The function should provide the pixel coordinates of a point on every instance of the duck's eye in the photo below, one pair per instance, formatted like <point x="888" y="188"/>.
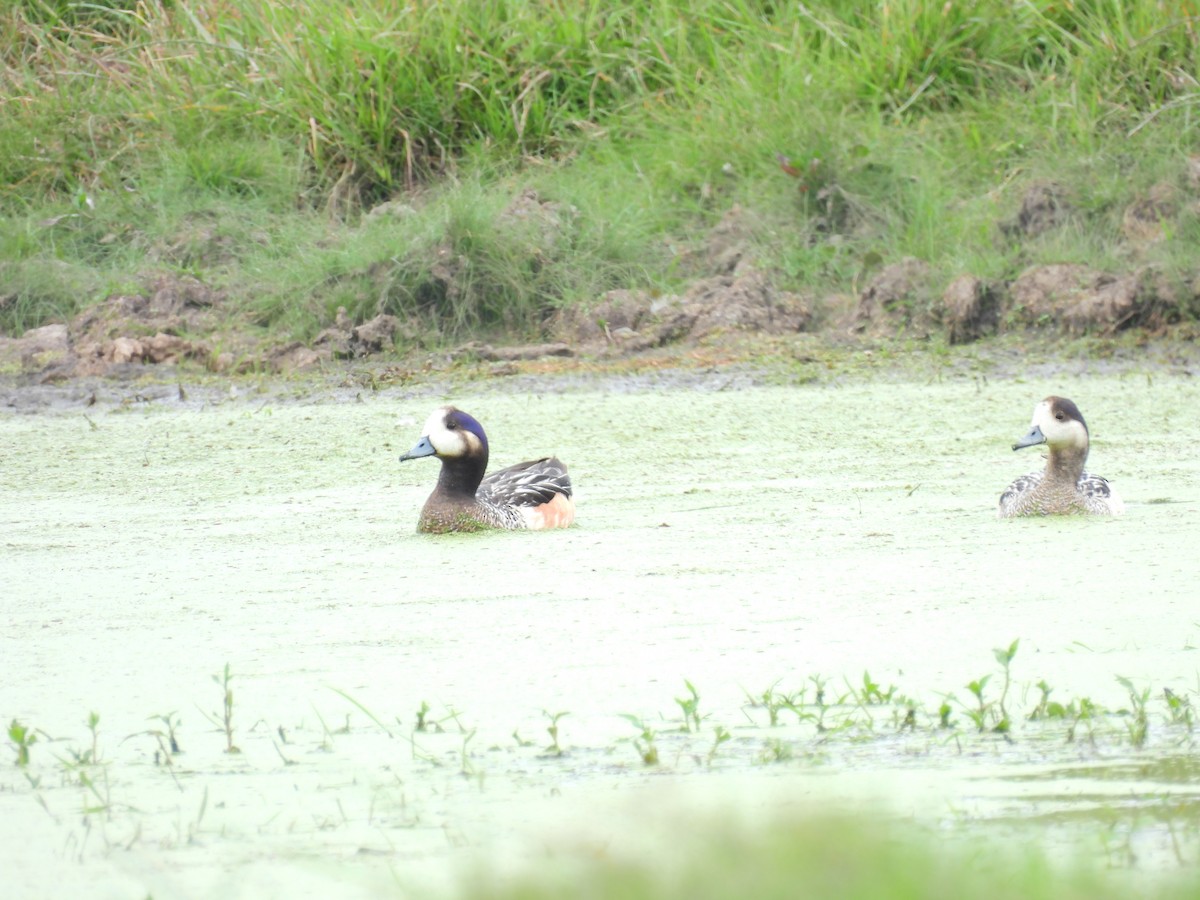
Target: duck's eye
<point x="451" y="425"/>
<point x="1060" y="417"/>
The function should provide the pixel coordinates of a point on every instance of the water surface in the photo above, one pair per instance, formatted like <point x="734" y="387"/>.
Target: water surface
<point x="739" y="539"/>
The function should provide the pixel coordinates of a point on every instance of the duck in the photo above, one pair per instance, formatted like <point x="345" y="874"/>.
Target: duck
<point x="531" y="495"/>
<point x="1063" y="487"/>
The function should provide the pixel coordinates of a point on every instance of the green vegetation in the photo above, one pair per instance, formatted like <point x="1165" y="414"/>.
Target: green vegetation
<point x="555" y="748"/>
<point x="821" y="857"/>
<point x="826" y="853"/>
<point x="247" y="145"/>
<point x="21" y="738"/>
<point x="224" y="719"/>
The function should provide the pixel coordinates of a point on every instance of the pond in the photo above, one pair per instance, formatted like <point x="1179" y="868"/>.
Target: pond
<point x="776" y="598"/>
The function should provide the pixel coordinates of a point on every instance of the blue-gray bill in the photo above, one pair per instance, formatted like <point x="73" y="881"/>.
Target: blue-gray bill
<point x="422" y="448"/>
<point x="1035" y="436"/>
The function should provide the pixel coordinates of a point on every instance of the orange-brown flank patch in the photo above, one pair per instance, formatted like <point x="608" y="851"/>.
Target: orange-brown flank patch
<point x="558" y="513"/>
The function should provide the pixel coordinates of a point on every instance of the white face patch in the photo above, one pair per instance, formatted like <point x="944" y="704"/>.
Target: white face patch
<point x="450" y="441"/>
<point x="1066" y="432"/>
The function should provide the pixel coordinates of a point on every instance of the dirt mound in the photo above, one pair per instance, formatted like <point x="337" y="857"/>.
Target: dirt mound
<point x="1146" y="219"/>
<point x="545" y="223"/>
<point x="128" y="331"/>
<point x="346" y="340"/>
<point x="1074" y="298"/>
<point x="1081" y="299"/>
<point x="1044" y="207"/>
<point x="629" y="321"/>
<point x="971" y="309"/>
<point x="37" y="349"/>
<point x="898" y="298"/>
<point x="1070" y="297"/>
<point x="125" y="329"/>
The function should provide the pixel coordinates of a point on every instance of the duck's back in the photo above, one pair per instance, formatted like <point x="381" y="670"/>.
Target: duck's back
<point x="535" y="494"/>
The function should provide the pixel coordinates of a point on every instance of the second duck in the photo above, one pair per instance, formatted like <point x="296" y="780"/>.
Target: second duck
<point x="1063" y="487"/>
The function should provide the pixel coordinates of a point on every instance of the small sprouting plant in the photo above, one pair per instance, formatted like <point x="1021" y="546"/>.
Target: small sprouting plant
<point x="224" y="679"/>
<point x="168" y="743"/>
<point x="554" y="748"/>
<point x="871" y="693"/>
<point x="93" y="725"/>
<point x="644" y="742"/>
<point x="1005" y="658"/>
<point x="945" y="710"/>
<point x="776" y="751"/>
<point x="170" y="722"/>
<point x="690" y="707"/>
<point x="421" y="714"/>
<point x="978" y="714"/>
<point x="1083" y="711"/>
<point x="1178" y="708"/>
<point x="22" y="739"/>
<point x="772" y="701"/>
<point x="1139" y="726"/>
<point x="1043" y="708"/>
<point x="819" y="700"/>
<point x="720" y="736"/>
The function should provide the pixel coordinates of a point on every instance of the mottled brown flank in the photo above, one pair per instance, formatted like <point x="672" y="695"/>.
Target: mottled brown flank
<point x="445" y="511"/>
<point x="443" y="518"/>
<point x="1037" y="495"/>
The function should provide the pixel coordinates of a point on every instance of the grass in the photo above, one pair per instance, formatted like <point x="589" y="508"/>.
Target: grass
<point x="230" y="140"/>
<point x="817" y="856"/>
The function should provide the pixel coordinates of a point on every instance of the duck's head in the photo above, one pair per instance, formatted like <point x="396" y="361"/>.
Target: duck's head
<point x="1057" y="423"/>
<point x="450" y="434"/>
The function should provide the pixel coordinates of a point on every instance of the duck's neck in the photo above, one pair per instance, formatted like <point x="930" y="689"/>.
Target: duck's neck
<point x="460" y="477"/>
<point x="1065" y="464"/>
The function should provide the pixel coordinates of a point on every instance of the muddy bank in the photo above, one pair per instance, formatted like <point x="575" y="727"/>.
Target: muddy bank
<point x="730" y="363"/>
<point x="724" y="362"/>
<point x="727" y="296"/>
